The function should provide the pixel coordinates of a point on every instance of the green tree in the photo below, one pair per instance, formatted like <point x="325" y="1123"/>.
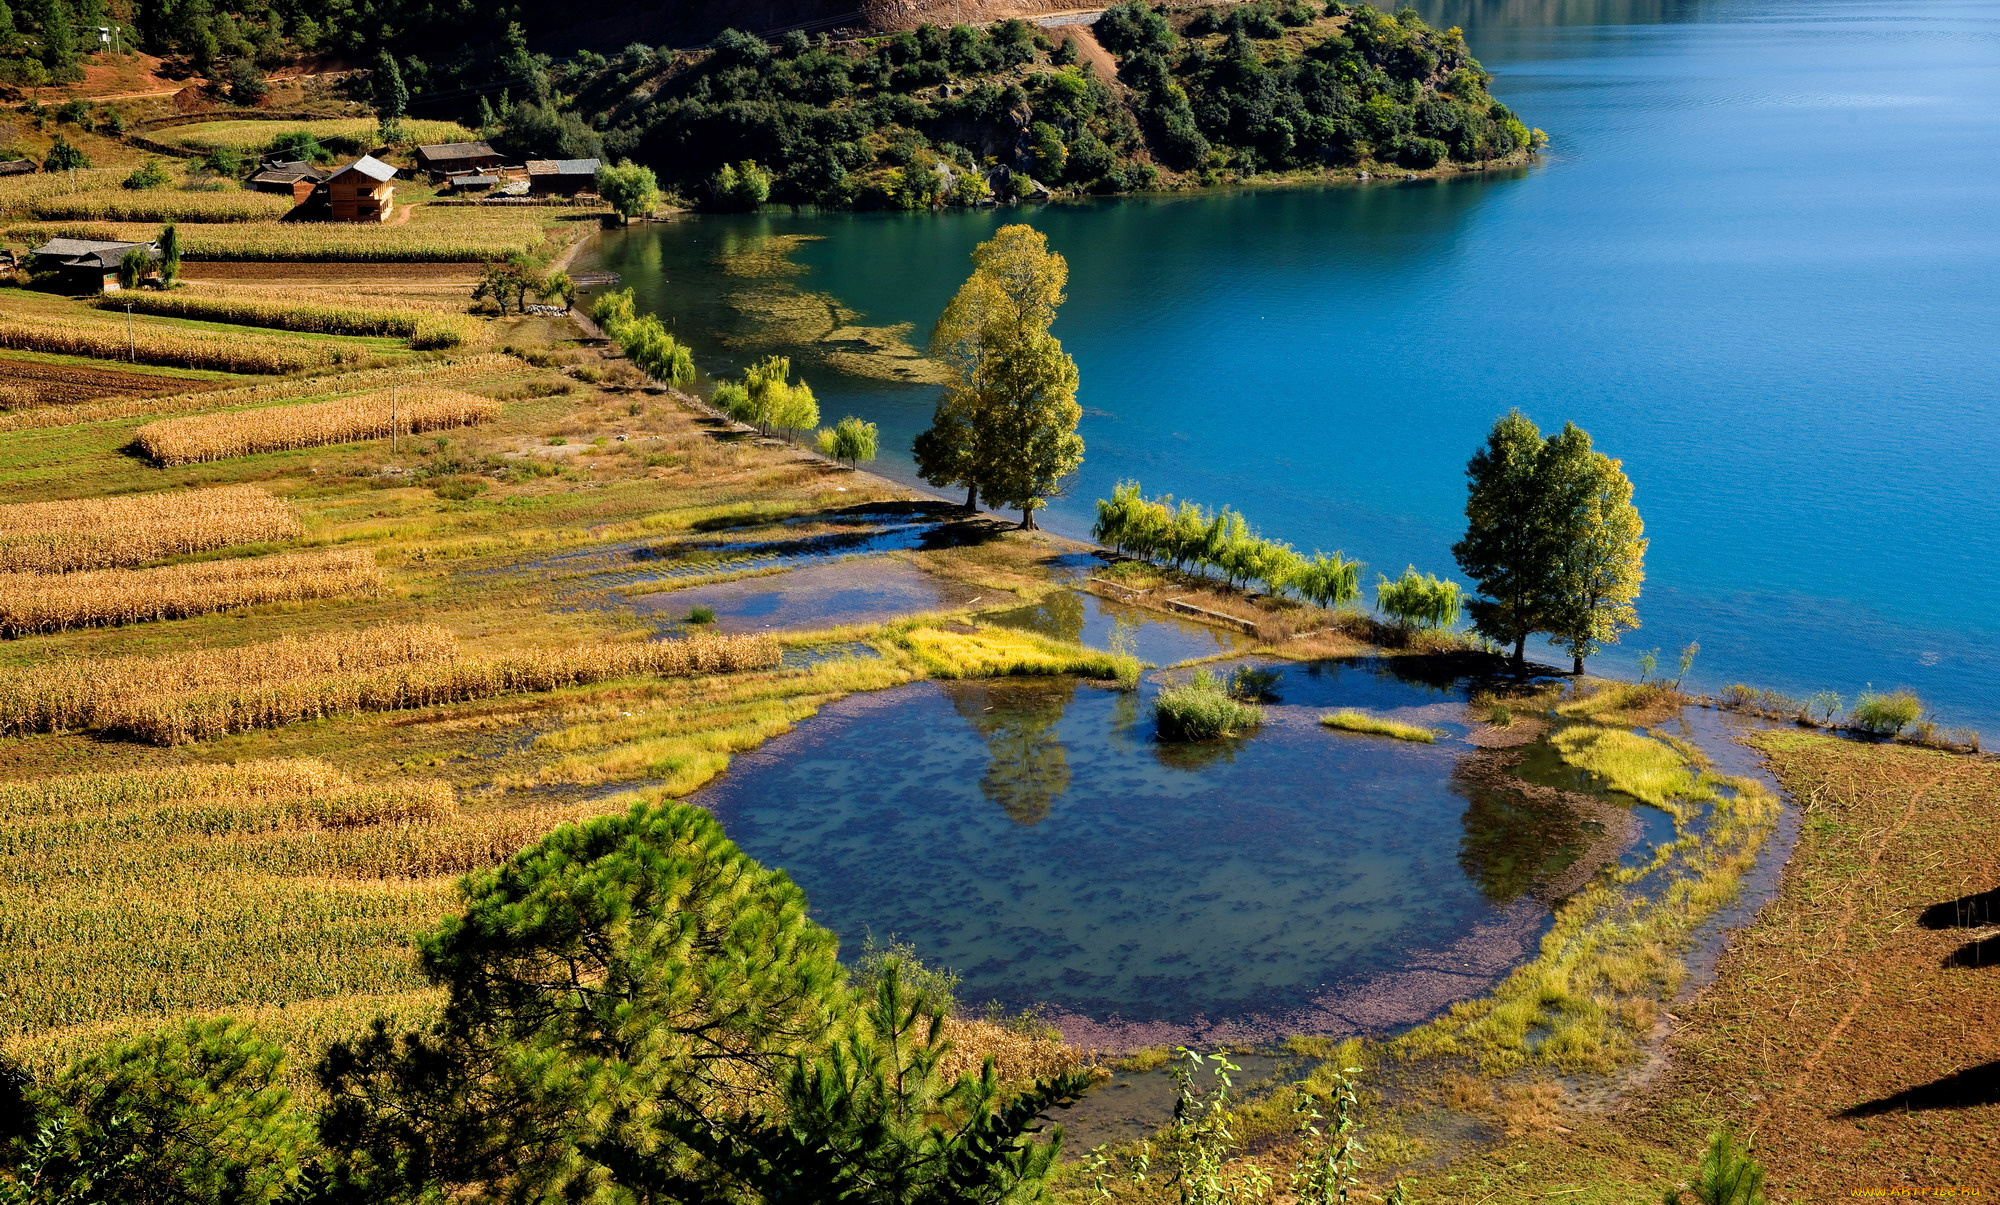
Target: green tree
<point x="299" y="146"/>
<point x="851" y="440"/>
<point x="193" y="1115"/>
<point x="558" y="286"/>
<point x="1006" y="425"/>
<point x="391" y="96"/>
<point x="247" y="85"/>
<point x="133" y="266"/>
<point x="633" y="191"/>
<point x="64" y="157"/>
<point x="740" y="186"/>
<point x="1728" y="1176"/>
<point x="769" y="398"/>
<point x="1507" y="551"/>
<point x="1600" y="544"/>
<point x="147" y="175"/>
<point x="1420" y="600"/>
<point x="170" y="255"/>
<point x="615" y="995"/>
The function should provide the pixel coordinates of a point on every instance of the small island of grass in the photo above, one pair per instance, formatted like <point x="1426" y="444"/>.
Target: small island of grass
<point x="1357" y="721"/>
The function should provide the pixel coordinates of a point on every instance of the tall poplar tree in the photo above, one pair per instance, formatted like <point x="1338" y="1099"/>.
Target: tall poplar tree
<point x="1600" y="545"/>
<point x="1507" y="551"/>
<point x="392" y="96"/>
<point x="1006" y="425"/>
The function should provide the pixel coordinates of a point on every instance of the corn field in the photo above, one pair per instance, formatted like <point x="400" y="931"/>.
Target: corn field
<point x="206" y="714"/>
<point x="198" y="438"/>
<point x="100" y="336"/>
<point x="431" y="235"/>
<point x="144" y="894"/>
<point x="338" y="134"/>
<point x="102" y="533"/>
<point x="425" y="328"/>
<point x="159" y="205"/>
<point x="429" y="373"/>
<point x="32" y="603"/>
<point x="71" y="694"/>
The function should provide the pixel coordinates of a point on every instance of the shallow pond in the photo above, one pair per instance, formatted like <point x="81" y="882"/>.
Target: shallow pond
<point x="821" y="596"/>
<point x="1033" y="836"/>
<point x="1152" y="636"/>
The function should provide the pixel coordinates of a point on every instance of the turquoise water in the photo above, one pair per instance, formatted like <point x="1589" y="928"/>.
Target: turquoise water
<point x="1758" y="263"/>
<point x="1034" y="836"/>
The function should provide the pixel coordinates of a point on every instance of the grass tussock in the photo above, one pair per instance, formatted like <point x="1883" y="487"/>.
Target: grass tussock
<point x="1626" y="703"/>
<point x="306" y="311"/>
<point x="32" y="603"/>
<point x="1202" y="709"/>
<point x="209" y="713"/>
<point x="1357" y="721"/>
<point x="103" y="533"/>
<point x="72" y="694"/>
<point x="204" y="437"/>
<point x="1648" y="770"/>
<point x="993" y="652"/>
<point x="1021" y="1053"/>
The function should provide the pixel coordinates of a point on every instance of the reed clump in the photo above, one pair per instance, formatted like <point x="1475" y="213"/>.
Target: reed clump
<point x="208" y="713"/>
<point x="990" y="652"/>
<point x="32" y="603"/>
<point x="1202" y="709"/>
<point x="102" y="533"/>
<point x="428" y="328"/>
<point x="198" y="438"/>
<point x="72" y="694"/>
<point x="1361" y="721"/>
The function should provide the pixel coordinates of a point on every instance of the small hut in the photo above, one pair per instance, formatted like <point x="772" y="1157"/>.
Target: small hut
<point x="85" y="265"/>
<point x="561" y="177"/>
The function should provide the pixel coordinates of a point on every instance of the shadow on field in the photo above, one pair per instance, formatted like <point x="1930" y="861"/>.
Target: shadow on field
<point x="1965" y="912"/>
<point x="1967" y="1089"/>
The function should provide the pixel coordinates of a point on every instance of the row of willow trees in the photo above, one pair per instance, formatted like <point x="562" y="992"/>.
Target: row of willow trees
<point x="1188" y="536"/>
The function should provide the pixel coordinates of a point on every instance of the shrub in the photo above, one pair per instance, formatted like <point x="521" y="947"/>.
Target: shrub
<point x="1201" y="710"/>
<point x="147" y="175"/>
<point x="1887" y="714"/>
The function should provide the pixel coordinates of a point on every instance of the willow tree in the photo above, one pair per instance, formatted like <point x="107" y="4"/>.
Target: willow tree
<point x="1601" y="545"/>
<point x="1005" y="428"/>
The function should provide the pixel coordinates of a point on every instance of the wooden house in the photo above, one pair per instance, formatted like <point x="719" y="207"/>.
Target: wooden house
<point x="361" y="192"/>
<point x="85" y="265"/>
<point x="18" y="167"/>
<point x="457" y="158"/>
<point x="281" y="175"/>
<point x="561" y="177"/>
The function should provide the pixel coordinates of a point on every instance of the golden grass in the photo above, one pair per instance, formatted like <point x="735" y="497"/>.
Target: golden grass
<point x="41" y="602"/>
<point x="1356" y="721"/>
<point x="75" y="693"/>
<point x="198" y="438"/>
<point x="428" y="373"/>
<point x="1020" y="1053"/>
<point x="1646" y="769"/>
<point x="208" y="713"/>
<point x="991" y="652"/>
<point x="432" y="234"/>
<point x="426" y="326"/>
<point x="84" y="332"/>
<point x="102" y="533"/>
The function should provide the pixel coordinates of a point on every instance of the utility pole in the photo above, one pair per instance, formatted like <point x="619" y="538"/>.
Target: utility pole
<point x="131" y="347"/>
<point x="394" y="426"/>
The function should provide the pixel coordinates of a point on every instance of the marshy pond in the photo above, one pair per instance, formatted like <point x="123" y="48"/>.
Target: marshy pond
<point x="1035" y="837"/>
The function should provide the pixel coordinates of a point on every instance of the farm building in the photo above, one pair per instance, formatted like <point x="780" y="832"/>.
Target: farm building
<point x="561" y="177"/>
<point x="457" y="158"/>
<point x="474" y="182"/>
<point x="85" y="265"/>
<point x="361" y="192"/>
<point x="18" y="167"/>
<point x="280" y="175"/>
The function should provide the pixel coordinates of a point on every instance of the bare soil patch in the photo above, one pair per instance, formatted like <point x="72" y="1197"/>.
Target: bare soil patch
<point x="25" y="383"/>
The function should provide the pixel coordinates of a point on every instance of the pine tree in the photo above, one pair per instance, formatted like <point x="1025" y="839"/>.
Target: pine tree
<point x="1006" y="425"/>
<point x="1600" y="544"/>
<point x="1507" y="551"/>
<point x="610" y="991"/>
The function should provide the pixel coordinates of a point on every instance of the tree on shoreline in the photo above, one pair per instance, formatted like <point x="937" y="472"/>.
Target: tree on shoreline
<point x="1552" y="540"/>
<point x="1006" y="425"/>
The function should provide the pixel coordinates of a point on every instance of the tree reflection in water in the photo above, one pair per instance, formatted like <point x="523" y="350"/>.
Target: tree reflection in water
<point x="1513" y="844"/>
<point x="1026" y="766"/>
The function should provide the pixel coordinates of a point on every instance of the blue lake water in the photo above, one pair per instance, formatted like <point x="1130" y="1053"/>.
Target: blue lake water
<point x="1034" y="836"/>
<point x="1758" y="263"/>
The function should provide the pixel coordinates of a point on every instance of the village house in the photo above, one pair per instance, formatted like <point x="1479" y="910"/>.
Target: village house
<point x="457" y="158"/>
<point x="283" y="175"/>
<point x="562" y="177"/>
<point x="18" y="167"/>
<point x="361" y="192"/>
<point x="85" y="265"/>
